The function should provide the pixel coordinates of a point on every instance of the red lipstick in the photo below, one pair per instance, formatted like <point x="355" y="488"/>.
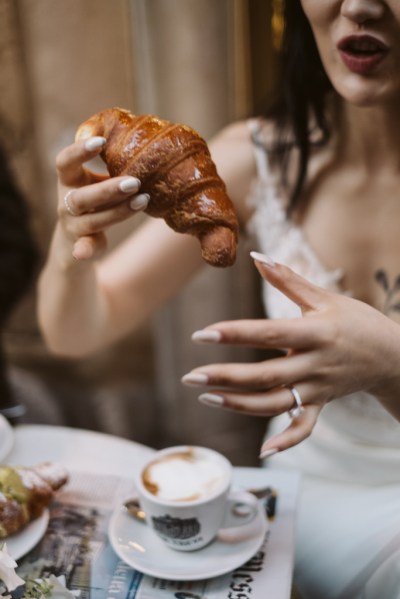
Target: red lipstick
<point x="361" y="54"/>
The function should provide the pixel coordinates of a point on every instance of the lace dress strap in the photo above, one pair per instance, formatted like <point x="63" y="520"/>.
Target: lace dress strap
<point x="276" y="235"/>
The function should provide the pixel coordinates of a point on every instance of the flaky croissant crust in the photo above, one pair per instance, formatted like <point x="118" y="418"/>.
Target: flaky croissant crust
<point x="25" y="492"/>
<point x="175" y="168"/>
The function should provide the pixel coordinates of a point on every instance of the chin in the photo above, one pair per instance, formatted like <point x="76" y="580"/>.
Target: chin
<point x="366" y="94"/>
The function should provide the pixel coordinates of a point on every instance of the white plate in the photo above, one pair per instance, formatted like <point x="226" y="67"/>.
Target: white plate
<point x="6" y="437"/>
<point x="23" y="541"/>
<point x="138" y="546"/>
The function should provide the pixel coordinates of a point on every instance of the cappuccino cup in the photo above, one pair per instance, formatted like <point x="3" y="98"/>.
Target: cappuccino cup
<point x="185" y="492"/>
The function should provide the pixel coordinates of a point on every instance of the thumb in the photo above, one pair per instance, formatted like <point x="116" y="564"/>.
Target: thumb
<point x="298" y="289"/>
<point x="89" y="246"/>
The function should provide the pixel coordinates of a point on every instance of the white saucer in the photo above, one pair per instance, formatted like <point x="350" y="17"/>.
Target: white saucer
<point x="6" y="437"/>
<point x="23" y="541"/>
<point x="138" y="546"/>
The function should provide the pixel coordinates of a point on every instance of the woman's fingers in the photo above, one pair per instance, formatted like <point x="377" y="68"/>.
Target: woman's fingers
<point x="298" y="430"/>
<point x="303" y="293"/>
<point x="295" y="333"/>
<point x="99" y="196"/>
<point x="89" y="202"/>
<point x="273" y="403"/>
<point x="70" y="161"/>
<point x="266" y="404"/>
<point x="97" y="222"/>
<point x="90" y="246"/>
<point x="263" y="403"/>
<point x="89" y="229"/>
<point x="87" y="210"/>
<point x="256" y="376"/>
<point x="263" y="389"/>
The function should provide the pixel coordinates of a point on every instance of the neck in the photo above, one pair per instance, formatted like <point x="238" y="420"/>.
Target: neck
<point x="369" y="138"/>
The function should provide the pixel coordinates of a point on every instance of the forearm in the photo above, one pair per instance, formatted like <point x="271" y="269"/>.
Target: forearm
<point x="387" y="391"/>
<point x="386" y="349"/>
<point x="71" y="307"/>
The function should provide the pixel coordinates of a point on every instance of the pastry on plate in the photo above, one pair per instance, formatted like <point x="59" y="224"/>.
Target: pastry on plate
<point x="25" y="492"/>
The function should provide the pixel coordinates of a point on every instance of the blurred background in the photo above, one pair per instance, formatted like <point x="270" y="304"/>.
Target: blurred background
<point x="199" y="62"/>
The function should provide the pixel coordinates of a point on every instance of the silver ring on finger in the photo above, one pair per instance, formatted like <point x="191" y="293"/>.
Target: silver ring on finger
<point x="68" y="204"/>
<point x="298" y="407"/>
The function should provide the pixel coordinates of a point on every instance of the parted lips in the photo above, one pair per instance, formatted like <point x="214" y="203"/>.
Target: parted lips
<point x="175" y="168"/>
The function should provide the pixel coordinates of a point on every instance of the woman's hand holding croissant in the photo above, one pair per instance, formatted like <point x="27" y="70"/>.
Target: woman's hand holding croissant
<point x="175" y="166"/>
<point x="89" y="203"/>
<point x="338" y="346"/>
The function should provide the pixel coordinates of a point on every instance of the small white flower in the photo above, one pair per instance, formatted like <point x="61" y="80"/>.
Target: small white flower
<point x="51" y="588"/>
<point x="59" y="590"/>
<point x="7" y="570"/>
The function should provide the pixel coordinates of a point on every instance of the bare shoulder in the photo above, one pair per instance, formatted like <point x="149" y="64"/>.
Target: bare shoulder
<point x="233" y="153"/>
<point x="236" y="131"/>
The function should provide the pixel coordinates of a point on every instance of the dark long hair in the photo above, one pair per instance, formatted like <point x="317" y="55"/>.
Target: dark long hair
<point x="18" y="252"/>
<point x="301" y="96"/>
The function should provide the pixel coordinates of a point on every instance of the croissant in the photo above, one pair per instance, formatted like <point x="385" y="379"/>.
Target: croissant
<point x="26" y="492"/>
<point x="175" y="168"/>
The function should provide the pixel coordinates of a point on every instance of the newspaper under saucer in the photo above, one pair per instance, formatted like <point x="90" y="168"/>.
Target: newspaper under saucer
<point x="137" y="545"/>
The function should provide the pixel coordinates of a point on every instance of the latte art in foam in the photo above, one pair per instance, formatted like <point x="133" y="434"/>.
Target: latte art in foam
<point x="184" y="476"/>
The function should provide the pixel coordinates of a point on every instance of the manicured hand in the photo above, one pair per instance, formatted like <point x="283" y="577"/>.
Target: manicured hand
<point x="337" y="346"/>
<point x="89" y="203"/>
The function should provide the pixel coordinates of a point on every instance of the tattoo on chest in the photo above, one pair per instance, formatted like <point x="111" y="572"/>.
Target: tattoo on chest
<point x="391" y="290"/>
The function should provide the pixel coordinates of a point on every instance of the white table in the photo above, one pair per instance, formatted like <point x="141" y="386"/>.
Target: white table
<point x="78" y="450"/>
<point x="111" y="457"/>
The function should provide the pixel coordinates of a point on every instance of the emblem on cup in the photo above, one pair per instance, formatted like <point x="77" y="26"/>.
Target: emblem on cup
<point x="176" y="528"/>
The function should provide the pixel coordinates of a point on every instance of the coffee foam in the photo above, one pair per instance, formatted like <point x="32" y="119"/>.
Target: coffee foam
<point x="183" y="476"/>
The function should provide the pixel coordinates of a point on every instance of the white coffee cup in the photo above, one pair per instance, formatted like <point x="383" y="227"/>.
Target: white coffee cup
<point x="185" y="492"/>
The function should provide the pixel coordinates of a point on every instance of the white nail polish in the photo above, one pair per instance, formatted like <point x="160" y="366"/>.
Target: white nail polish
<point x="212" y="399"/>
<point x="195" y="378"/>
<point x="94" y="143"/>
<point x="140" y="202"/>
<point x="267" y="453"/>
<point x="129" y="185"/>
<point x="262" y="258"/>
<point x="206" y="336"/>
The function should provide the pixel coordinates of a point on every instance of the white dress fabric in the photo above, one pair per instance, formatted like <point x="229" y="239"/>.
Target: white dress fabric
<point x="348" y="541"/>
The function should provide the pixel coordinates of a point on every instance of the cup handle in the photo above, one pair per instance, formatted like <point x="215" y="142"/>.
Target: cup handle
<point x="240" y="522"/>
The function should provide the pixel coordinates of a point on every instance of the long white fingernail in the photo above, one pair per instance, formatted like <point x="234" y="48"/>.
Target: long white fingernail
<point x="94" y="143"/>
<point x="129" y="185"/>
<point x="206" y="336"/>
<point x="262" y="258"/>
<point x="267" y="453"/>
<point x="195" y="378"/>
<point x="140" y="202"/>
<point x="212" y="399"/>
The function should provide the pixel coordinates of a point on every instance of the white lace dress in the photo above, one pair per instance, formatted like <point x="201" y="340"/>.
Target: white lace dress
<point x="348" y="541"/>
